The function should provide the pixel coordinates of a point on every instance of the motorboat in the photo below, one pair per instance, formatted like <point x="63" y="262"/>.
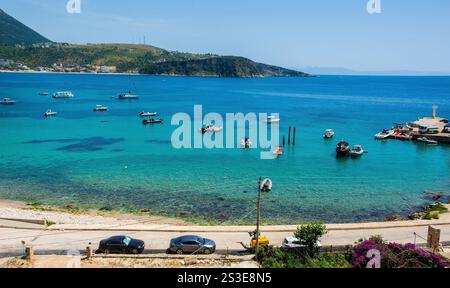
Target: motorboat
<point x="343" y="149"/>
<point x="43" y="93"/>
<point x="329" y="133"/>
<point x="210" y="129"/>
<point x="278" y="151"/>
<point x="148" y="114"/>
<point x="127" y="96"/>
<point x="7" y="101"/>
<point x="427" y="141"/>
<point x="272" y="119"/>
<point x="100" y="108"/>
<point x="266" y="185"/>
<point x="152" y="121"/>
<point x="246" y="143"/>
<point x="50" y="113"/>
<point x="63" y="94"/>
<point x="385" y="134"/>
<point x="357" y="151"/>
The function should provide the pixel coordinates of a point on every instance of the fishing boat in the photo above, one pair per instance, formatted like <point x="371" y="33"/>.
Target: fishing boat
<point x="7" y="101"/>
<point x="152" y="121"/>
<point x="427" y="141"/>
<point x="246" y="143"/>
<point x="357" y="151"/>
<point x="385" y="134"/>
<point x="127" y="96"/>
<point x="272" y="119"/>
<point x="63" y="94"/>
<point x="329" y="133"/>
<point x="343" y="149"/>
<point x="50" y="113"/>
<point x="43" y="93"/>
<point x="278" y="151"/>
<point x="100" y="108"/>
<point x="148" y="114"/>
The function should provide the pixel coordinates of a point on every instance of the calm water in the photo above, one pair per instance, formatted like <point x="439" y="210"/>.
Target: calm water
<point x="112" y="160"/>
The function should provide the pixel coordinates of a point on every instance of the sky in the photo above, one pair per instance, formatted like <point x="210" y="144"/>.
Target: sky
<point x="406" y="35"/>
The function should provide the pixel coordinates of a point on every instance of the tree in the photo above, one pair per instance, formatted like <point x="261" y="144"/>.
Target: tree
<point x="309" y="235"/>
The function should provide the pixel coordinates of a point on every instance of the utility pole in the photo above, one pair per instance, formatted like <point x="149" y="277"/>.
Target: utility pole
<point x="258" y="217"/>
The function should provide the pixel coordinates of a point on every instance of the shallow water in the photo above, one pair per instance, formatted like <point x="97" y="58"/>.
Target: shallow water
<point x="111" y="160"/>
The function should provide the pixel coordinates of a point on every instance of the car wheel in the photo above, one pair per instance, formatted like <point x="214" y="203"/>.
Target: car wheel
<point x="107" y="251"/>
<point x="135" y="251"/>
<point x="207" y="251"/>
<point x="180" y="251"/>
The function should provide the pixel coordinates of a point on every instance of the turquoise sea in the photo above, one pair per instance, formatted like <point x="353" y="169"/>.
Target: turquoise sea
<point x="111" y="160"/>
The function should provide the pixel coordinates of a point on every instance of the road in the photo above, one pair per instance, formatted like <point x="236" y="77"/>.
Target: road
<point x="58" y="242"/>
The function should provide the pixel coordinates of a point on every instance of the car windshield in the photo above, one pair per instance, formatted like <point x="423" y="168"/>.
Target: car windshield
<point x="127" y="240"/>
<point x="201" y="240"/>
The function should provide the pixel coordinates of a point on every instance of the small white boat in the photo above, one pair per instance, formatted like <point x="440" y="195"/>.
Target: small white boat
<point x="210" y="129"/>
<point x="272" y="119"/>
<point x="7" y="101"/>
<point x="50" y="113"/>
<point x="100" y="108"/>
<point x="278" y="152"/>
<point x="246" y="143"/>
<point x="266" y="185"/>
<point x="357" y="151"/>
<point x="148" y="114"/>
<point x="427" y="141"/>
<point x="329" y="133"/>
<point x="128" y="96"/>
<point x="63" y="94"/>
<point x="385" y="134"/>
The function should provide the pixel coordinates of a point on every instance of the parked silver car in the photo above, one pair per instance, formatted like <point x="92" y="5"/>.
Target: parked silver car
<point x="191" y="244"/>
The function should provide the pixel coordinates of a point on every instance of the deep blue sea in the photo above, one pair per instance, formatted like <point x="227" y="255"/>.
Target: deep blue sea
<point x="111" y="160"/>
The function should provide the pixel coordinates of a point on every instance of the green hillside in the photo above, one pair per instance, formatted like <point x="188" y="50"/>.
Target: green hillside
<point x="13" y="32"/>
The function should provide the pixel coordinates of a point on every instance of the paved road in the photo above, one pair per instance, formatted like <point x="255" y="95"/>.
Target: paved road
<point x="156" y="242"/>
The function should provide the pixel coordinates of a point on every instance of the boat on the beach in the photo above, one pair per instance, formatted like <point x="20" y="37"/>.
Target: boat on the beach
<point x="343" y="149"/>
<point x="43" y="93"/>
<point x="357" y="151"/>
<point x="100" y="108"/>
<point x="385" y="134"/>
<point x="148" y="114"/>
<point x="7" y="101"/>
<point x="63" y="94"/>
<point x="329" y="133"/>
<point x="272" y="119"/>
<point x="50" y="113"/>
<point x="152" y="121"/>
<point x="427" y="141"/>
<point x="246" y="143"/>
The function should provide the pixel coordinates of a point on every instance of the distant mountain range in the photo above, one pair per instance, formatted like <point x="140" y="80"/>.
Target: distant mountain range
<point x="21" y="44"/>
<point x="346" y="71"/>
<point x="13" y="32"/>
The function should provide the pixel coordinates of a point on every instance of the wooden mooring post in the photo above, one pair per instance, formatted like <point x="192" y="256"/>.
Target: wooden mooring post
<point x="284" y="141"/>
<point x="293" y="139"/>
<point x="289" y="136"/>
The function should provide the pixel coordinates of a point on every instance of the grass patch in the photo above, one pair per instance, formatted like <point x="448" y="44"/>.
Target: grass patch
<point x="433" y="212"/>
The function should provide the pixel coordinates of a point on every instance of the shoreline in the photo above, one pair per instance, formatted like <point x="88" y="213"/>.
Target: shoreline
<point x="94" y="220"/>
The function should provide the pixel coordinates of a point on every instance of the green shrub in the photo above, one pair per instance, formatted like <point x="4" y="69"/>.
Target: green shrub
<point x="309" y="235"/>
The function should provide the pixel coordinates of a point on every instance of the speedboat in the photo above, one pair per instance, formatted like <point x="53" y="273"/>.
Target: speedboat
<point x="7" y="101"/>
<point x="152" y="121"/>
<point x="343" y="149"/>
<point x="272" y="119"/>
<point x="385" y="134"/>
<point x="278" y="152"/>
<point x="246" y="143"/>
<point x="63" y="94"/>
<point x="427" y="141"/>
<point x="357" y="151"/>
<point x="329" y="133"/>
<point x="127" y="96"/>
<point x="210" y="129"/>
<point x="100" y="108"/>
<point x="50" y="113"/>
<point x="148" y="114"/>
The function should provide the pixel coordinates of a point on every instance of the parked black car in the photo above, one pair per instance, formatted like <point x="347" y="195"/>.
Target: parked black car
<point x="121" y="245"/>
<point x="191" y="244"/>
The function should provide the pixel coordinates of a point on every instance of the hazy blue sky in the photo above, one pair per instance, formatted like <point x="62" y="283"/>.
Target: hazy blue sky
<point x="407" y="35"/>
